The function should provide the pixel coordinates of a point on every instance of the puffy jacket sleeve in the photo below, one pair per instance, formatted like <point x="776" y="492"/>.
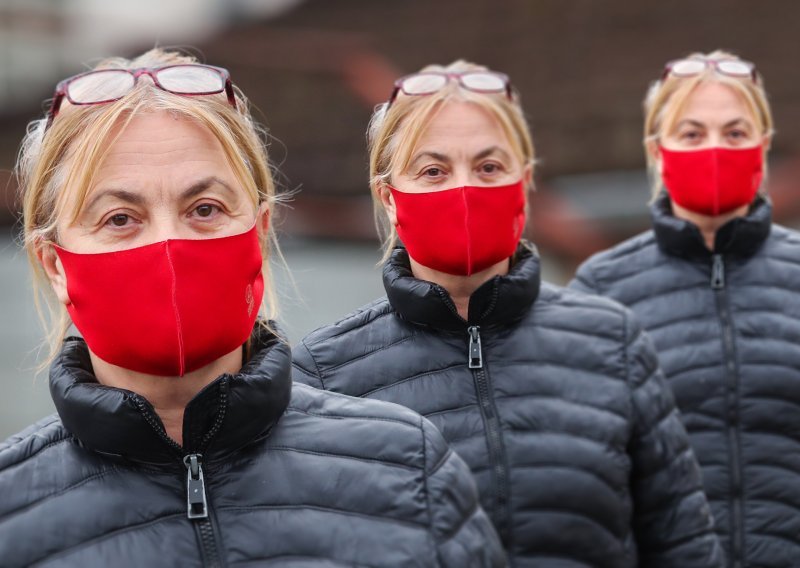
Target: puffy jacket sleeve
<point x="584" y="280"/>
<point x="672" y="520"/>
<point x="304" y="368"/>
<point x="460" y="530"/>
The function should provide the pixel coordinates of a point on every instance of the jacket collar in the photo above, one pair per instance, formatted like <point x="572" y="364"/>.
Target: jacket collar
<point x="740" y="237"/>
<point x="501" y="300"/>
<point x="227" y="414"/>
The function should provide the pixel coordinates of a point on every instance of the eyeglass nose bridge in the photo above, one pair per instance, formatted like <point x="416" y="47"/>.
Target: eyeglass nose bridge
<point x="144" y="71"/>
<point x="450" y="76"/>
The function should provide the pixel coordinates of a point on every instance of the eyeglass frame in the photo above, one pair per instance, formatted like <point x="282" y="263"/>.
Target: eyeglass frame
<point x="62" y="88"/>
<point x="710" y="63"/>
<point x="398" y="84"/>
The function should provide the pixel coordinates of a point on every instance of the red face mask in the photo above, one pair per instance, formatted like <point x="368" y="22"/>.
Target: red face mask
<point x="712" y="181"/>
<point x="167" y="308"/>
<point x="462" y="230"/>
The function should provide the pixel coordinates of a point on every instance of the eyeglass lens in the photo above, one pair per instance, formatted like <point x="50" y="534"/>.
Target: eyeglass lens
<point x="187" y="80"/>
<point x="687" y="67"/>
<point x="424" y="83"/>
<point x="483" y="82"/>
<point x="100" y="86"/>
<point x="113" y="84"/>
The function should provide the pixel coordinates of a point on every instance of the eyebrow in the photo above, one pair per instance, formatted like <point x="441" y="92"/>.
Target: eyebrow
<point x="728" y="124"/>
<point x="489" y="151"/>
<point x="121" y="194"/>
<point x="206" y="183"/>
<point x="136" y="199"/>
<point x="435" y="155"/>
<point x="443" y="158"/>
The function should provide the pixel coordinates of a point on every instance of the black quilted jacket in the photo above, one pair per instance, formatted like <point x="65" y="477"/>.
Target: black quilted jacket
<point x="288" y="477"/>
<point x="552" y="397"/>
<point x="727" y="328"/>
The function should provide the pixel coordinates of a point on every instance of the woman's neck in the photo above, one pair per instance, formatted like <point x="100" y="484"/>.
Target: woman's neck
<point x="168" y="395"/>
<point x="708" y="225"/>
<point x="460" y="288"/>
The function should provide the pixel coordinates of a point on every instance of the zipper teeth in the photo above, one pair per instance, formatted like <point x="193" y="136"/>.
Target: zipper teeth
<point x="737" y="541"/>
<point x="500" y="469"/>
<point x="148" y="416"/>
<point x="223" y="407"/>
<point x="448" y="301"/>
<point x="207" y="540"/>
<point x="496" y="454"/>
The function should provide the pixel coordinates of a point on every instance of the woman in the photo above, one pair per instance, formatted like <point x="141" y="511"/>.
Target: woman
<point x="554" y="399"/>
<point x="716" y="284"/>
<point x="179" y="440"/>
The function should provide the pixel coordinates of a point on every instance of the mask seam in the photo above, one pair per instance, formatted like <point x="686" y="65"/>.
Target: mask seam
<point x="717" y="188"/>
<point x="174" y="295"/>
<point x="467" y="231"/>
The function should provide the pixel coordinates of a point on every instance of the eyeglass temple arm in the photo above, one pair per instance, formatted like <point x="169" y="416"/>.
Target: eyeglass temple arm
<point x="230" y="93"/>
<point x="55" y="106"/>
<point x="395" y="92"/>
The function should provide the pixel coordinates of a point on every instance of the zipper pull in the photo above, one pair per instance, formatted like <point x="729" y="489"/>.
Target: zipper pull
<point x="717" y="272"/>
<point x="475" y="355"/>
<point x="196" y="506"/>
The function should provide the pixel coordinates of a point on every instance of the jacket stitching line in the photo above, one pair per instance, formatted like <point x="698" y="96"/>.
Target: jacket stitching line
<point x="426" y="487"/>
<point x="58" y="493"/>
<point x="334" y="510"/>
<point x="66" y="437"/>
<point x="344" y="456"/>
<point x="467" y="518"/>
<point x="412" y="378"/>
<point x="365" y="355"/>
<point x="355" y="417"/>
<point x="108" y="535"/>
<point x="352" y="316"/>
<point x="316" y="365"/>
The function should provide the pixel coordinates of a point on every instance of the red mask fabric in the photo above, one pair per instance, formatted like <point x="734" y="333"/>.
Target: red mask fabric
<point x="170" y="307"/>
<point x="462" y="230"/>
<point x="712" y="181"/>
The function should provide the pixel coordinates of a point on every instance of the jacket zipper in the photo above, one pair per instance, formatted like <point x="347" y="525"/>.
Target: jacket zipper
<point x="732" y="406"/>
<point x="501" y="514"/>
<point x="197" y="506"/>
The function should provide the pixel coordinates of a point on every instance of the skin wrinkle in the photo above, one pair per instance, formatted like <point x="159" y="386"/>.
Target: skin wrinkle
<point x="464" y="146"/>
<point x="714" y="115"/>
<point x="166" y="168"/>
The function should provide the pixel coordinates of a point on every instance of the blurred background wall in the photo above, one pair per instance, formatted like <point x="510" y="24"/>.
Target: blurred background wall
<point x="316" y="68"/>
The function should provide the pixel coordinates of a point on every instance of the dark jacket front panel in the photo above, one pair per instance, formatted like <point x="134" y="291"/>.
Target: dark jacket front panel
<point x="587" y="429"/>
<point x="739" y="397"/>
<point x="331" y="481"/>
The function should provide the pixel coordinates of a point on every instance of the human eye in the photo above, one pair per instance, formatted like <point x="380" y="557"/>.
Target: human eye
<point x="206" y="211"/>
<point x="690" y="136"/>
<point x="490" y="168"/>
<point x="119" y="220"/>
<point x="432" y="172"/>
<point x="738" y="135"/>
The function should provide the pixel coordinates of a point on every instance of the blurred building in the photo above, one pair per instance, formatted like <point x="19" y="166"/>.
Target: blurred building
<point x="316" y="68"/>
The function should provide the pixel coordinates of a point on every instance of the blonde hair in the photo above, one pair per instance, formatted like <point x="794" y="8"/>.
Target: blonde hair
<point x="394" y="132"/>
<point x="666" y="99"/>
<point x="74" y="146"/>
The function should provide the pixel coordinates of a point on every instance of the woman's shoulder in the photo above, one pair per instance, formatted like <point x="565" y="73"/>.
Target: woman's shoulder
<point x="366" y="316"/>
<point x="566" y="304"/>
<point x="331" y="423"/>
<point x="783" y="241"/>
<point x="367" y="330"/>
<point x="28" y="443"/>
<point x="40" y="463"/>
<point x="632" y="255"/>
<point x="326" y="405"/>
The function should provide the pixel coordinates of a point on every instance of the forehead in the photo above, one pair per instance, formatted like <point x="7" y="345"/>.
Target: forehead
<point x="159" y="140"/>
<point x="714" y="100"/>
<point x="462" y="125"/>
